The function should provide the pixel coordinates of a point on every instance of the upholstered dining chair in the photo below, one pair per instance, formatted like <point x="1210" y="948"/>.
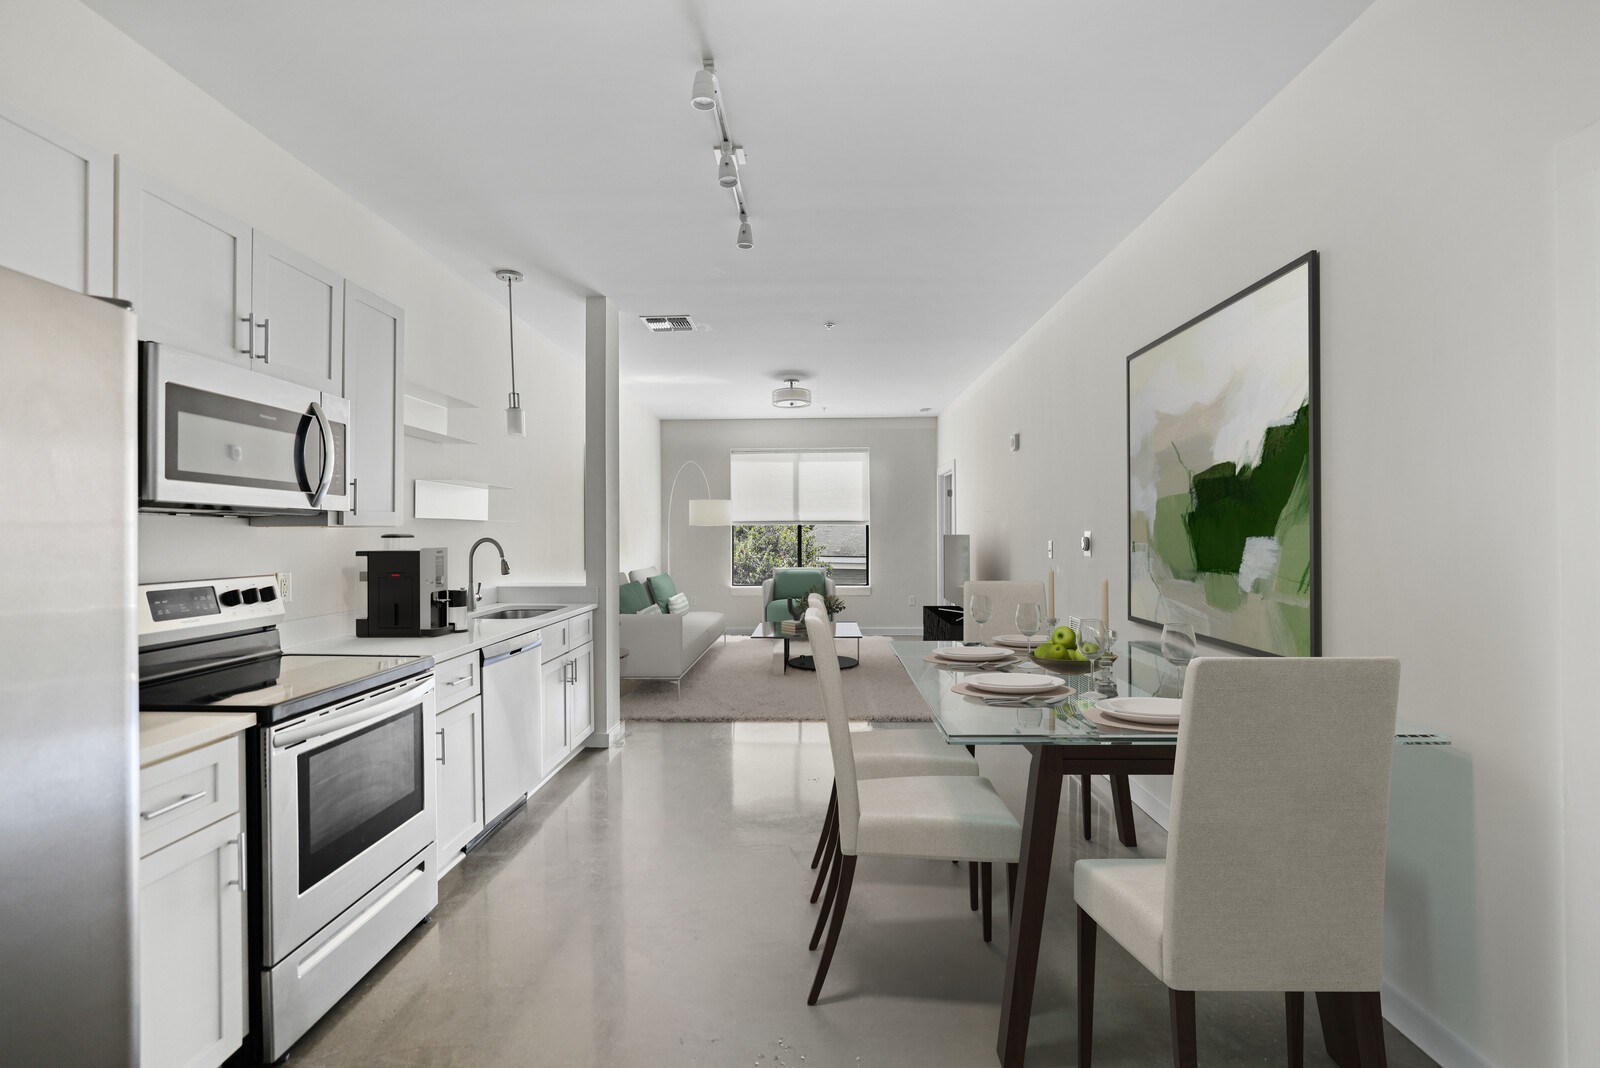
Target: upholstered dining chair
<point x="932" y="817"/>
<point x="1004" y="596"/>
<point x="1273" y="878"/>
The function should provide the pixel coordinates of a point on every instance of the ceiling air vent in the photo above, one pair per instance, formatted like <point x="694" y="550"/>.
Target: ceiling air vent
<point x="666" y="324"/>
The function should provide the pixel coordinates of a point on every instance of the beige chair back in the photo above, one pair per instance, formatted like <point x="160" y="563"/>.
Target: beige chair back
<point x="1004" y="596"/>
<point x="825" y="658"/>
<point x="1280" y="804"/>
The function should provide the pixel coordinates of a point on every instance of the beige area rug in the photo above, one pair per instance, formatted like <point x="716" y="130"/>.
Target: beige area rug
<point x="738" y="680"/>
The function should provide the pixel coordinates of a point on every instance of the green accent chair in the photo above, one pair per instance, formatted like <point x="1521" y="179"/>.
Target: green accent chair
<point x="787" y="582"/>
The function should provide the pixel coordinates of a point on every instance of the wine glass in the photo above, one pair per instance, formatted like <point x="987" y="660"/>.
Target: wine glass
<point x="1177" y="643"/>
<point x="980" y="609"/>
<point x="1029" y="619"/>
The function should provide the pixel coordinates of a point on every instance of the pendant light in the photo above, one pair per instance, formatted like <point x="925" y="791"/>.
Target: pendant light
<point x="516" y="417"/>
<point x="791" y="396"/>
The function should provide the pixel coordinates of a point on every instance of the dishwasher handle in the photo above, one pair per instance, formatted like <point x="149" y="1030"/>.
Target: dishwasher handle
<point x="496" y="658"/>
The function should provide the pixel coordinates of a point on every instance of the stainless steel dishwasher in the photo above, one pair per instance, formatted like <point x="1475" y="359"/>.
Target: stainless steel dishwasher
<point x="512" y="692"/>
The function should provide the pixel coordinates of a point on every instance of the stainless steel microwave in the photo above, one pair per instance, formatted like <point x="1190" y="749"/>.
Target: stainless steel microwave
<point x="217" y="439"/>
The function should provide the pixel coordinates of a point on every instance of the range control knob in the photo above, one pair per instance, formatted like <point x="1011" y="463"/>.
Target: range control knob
<point x="229" y="598"/>
<point x="250" y="595"/>
<point x="268" y="594"/>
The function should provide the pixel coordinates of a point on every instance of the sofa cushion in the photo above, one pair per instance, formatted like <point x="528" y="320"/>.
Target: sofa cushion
<point x="661" y="589"/>
<point x="651" y="609"/>
<point x="796" y="582"/>
<point x="631" y="597"/>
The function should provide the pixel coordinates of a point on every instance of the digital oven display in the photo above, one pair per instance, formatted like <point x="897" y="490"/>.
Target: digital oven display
<point x="183" y="604"/>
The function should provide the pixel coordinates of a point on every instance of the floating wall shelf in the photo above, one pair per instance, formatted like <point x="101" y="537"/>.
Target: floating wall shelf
<point x="427" y="415"/>
<point x="449" y="498"/>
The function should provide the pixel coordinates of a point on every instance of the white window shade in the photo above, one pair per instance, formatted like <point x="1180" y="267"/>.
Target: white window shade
<point x="814" y="486"/>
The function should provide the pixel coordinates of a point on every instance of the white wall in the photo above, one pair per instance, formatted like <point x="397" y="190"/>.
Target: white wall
<point x="639" y="482"/>
<point x="902" y="532"/>
<point x="64" y="64"/>
<point x="1417" y="154"/>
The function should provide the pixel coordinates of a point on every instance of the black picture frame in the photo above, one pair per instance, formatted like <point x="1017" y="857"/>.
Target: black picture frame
<point x="1310" y="261"/>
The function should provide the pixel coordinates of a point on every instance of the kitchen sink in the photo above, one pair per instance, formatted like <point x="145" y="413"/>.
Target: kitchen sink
<point x="513" y="613"/>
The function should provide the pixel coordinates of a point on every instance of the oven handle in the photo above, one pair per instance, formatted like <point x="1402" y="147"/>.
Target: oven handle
<point x="326" y="478"/>
<point x="355" y="718"/>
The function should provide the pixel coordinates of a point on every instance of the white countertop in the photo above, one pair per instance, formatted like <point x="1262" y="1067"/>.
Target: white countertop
<point x="479" y="633"/>
<point x="163" y="735"/>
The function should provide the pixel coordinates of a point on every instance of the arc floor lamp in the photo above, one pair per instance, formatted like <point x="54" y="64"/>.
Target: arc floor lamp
<point x="704" y="511"/>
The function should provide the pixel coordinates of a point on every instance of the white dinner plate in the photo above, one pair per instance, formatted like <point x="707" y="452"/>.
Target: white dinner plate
<point x="1163" y="710"/>
<point x="997" y="682"/>
<point x="1016" y="641"/>
<point x="970" y="653"/>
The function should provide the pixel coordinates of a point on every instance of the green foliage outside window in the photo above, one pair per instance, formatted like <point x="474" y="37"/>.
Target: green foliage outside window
<point x="759" y="548"/>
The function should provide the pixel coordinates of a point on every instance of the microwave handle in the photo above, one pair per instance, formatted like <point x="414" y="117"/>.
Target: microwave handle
<point x="327" y="455"/>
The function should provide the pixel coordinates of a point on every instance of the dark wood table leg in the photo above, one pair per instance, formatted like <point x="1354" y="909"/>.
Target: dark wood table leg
<point x="1027" y="927"/>
<point x="1124" y="805"/>
<point x="1338" y="1028"/>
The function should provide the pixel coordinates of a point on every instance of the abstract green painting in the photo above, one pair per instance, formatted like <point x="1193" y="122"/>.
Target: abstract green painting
<point x="1222" y="471"/>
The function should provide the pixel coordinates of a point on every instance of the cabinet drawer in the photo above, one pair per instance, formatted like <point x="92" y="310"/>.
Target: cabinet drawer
<point x="580" y="629"/>
<point x="188" y="792"/>
<point x="556" y="642"/>
<point x="457" y="680"/>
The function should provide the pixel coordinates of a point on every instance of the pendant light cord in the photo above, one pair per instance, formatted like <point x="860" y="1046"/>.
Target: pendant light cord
<point x="511" y="330"/>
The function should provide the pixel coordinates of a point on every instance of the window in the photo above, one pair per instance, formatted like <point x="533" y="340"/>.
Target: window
<point x="801" y="509"/>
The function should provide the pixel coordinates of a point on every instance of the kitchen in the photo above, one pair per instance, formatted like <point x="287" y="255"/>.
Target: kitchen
<point x="250" y="271"/>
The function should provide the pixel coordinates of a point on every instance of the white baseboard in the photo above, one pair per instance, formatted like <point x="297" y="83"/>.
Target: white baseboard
<point x="607" y="739"/>
<point x="1153" y="806"/>
<point x="1430" y="1036"/>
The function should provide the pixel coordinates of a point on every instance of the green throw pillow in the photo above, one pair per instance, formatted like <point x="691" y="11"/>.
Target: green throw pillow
<point x="661" y="589"/>
<point x="631" y="597"/>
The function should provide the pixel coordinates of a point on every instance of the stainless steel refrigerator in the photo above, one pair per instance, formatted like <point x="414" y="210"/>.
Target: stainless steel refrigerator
<point x="68" y="676"/>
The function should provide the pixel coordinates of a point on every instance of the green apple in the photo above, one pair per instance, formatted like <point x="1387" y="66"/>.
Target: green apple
<point x="1076" y="654"/>
<point x="1053" y="651"/>
<point x="1064" y="636"/>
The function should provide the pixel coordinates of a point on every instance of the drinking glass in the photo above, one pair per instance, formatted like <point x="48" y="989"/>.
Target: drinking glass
<point x="1177" y="643"/>
<point x="980" y="610"/>
<point x="1029" y="619"/>
<point x="1095" y="639"/>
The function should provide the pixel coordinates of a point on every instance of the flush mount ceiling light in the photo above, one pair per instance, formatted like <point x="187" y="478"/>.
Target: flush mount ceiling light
<point x="516" y="418"/>
<point x="791" y="396"/>
<point x="704" y="95"/>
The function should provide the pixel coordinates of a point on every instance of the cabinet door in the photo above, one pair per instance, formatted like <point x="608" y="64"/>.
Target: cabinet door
<point x="299" y="316"/>
<point x="55" y="206"/>
<point x="460" y="769"/>
<point x="553" y="740"/>
<point x="374" y="384"/>
<point x="191" y="949"/>
<point x="185" y="267"/>
<point x="580" y="696"/>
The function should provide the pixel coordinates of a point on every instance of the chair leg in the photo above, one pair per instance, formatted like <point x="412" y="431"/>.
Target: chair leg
<point x="972" y="883"/>
<point x="830" y="850"/>
<point x="1124" y="805"/>
<point x="986" y="870"/>
<point x="1294" y="1012"/>
<point x="1338" y="1028"/>
<point x="1087" y="929"/>
<point x="1368" y="1012"/>
<point x="827" y="902"/>
<point x="848" y="865"/>
<point x="1088" y="822"/>
<point x="1185" y="1048"/>
<point x="1011" y="891"/>
<point x="827" y="825"/>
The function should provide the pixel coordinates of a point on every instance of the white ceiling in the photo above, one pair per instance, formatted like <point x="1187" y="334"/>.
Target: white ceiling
<point x="931" y="176"/>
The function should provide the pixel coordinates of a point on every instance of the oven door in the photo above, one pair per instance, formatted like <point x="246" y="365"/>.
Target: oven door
<point x="221" y="438"/>
<point x="349" y="799"/>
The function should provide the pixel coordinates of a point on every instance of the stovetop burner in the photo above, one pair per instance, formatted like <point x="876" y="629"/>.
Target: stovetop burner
<point x="279" y="686"/>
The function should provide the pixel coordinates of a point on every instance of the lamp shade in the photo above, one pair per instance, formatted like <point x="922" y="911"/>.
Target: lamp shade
<point x="710" y="513"/>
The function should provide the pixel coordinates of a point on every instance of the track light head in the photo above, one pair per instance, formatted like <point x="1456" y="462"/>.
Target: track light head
<point x="746" y="238"/>
<point x="727" y="169"/>
<point x="704" y="95"/>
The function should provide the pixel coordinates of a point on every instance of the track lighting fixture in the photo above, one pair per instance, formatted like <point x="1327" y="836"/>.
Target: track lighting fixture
<point x="704" y="95"/>
<point x="746" y="238"/>
<point x="516" y="417"/>
<point x="727" y="169"/>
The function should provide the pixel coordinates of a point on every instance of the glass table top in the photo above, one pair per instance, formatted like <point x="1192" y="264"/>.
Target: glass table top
<point x="1140" y="671"/>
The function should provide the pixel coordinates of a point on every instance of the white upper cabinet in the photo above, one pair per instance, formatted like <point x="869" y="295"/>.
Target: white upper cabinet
<point x="55" y="206"/>
<point x="297" y="308"/>
<point x="185" y="267"/>
<point x="374" y="373"/>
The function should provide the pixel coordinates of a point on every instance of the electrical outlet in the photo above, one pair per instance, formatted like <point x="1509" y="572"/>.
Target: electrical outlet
<point x="911" y="600"/>
<point x="693" y="600"/>
<point x="284" y="583"/>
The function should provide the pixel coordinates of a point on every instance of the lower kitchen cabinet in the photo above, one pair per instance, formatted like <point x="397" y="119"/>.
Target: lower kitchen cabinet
<point x="568" y="714"/>
<point x="192" y="998"/>
<point x="580" y="706"/>
<point x="460" y="792"/>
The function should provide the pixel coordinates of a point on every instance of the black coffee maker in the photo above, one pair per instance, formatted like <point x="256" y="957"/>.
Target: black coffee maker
<point x="406" y="594"/>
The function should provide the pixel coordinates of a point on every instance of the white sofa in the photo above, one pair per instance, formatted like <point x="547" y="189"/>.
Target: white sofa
<point x="664" y="647"/>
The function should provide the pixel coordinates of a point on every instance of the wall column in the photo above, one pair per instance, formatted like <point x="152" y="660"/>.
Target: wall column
<point x="601" y="556"/>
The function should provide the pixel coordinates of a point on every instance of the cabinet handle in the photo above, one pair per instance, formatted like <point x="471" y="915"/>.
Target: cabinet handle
<point x="440" y="733"/>
<point x="265" y="326"/>
<point x="243" y="867"/>
<point x="249" y="322"/>
<point x="179" y="803"/>
<point x="355" y="496"/>
<point x="461" y="681"/>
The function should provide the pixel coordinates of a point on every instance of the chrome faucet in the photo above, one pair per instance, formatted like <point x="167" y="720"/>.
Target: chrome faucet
<point x="475" y="589"/>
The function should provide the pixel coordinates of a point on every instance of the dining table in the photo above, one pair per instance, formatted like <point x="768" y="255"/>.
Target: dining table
<point x="1067" y="735"/>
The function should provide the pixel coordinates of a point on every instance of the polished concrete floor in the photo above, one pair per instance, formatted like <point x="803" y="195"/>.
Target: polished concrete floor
<point x="649" y="909"/>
